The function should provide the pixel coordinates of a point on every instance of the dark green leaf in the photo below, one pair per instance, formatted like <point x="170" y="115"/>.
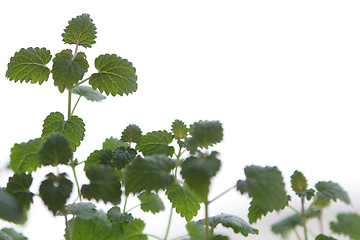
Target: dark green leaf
<point x="123" y="156"/>
<point x="265" y="185"/>
<point x="68" y="70"/>
<point x="18" y="186"/>
<point x="196" y="230"/>
<point x="13" y="234"/>
<point x="80" y="31"/>
<point x="88" y="93"/>
<point x="156" y="142"/>
<point x="185" y="203"/>
<point x="219" y="237"/>
<point x="151" y="202"/>
<point x="29" y="65"/>
<point x="115" y="76"/>
<point x="103" y="156"/>
<point x="179" y="129"/>
<point x="55" y="150"/>
<point x="347" y="224"/>
<point x="84" y="210"/>
<point x="24" y="156"/>
<point x="10" y="209"/>
<point x="118" y="219"/>
<point x="73" y="128"/>
<point x="55" y="190"/>
<point x="323" y="237"/>
<point x="197" y="172"/>
<point x="149" y="173"/>
<point x="331" y="191"/>
<point x="131" y="134"/>
<point x="104" y="184"/>
<point x="204" y="134"/>
<point x="112" y="143"/>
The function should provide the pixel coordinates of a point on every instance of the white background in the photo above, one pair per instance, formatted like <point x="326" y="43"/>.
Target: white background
<point x="282" y="77"/>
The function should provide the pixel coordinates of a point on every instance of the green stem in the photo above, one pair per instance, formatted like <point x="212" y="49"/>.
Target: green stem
<point x="296" y="211"/>
<point x="68" y="230"/>
<point x="180" y="237"/>
<point x="303" y="217"/>
<point x="207" y="230"/>
<point x="72" y="112"/>
<point x="133" y="208"/>
<point x="169" y="223"/>
<point x="69" y="103"/>
<point x="126" y="198"/>
<point x="153" y="236"/>
<point x="81" y="82"/>
<point x="221" y="194"/>
<point x="76" y="180"/>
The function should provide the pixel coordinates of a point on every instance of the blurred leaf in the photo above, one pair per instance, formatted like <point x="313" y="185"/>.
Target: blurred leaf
<point x="331" y="191"/>
<point x="204" y="134"/>
<point x="10" y="209"/>
<point x="84" y="210"/>
<point x="299" y="185"/>
<point x="4" y="236"/>
<point x="80" y="31"/>
<point x="323" y="237"/>
<point x="131" y="134"/>
<point x="151" y="202"/>
<point x="115" y="76"/>
<point x="112" y="143"/>
<point x="156" y="142"/>
<point x="29" y="65"/>
<point x="123" y="156"/>
<point x="55" y="190"/>
<point x="24" y="156"/>
<point x="265" y="185"/>
<point x="18" y="186"/>
<point x="88" y="93"/>
<point x="179" y="129"/>
<point x="347" y="224"/>
<point x="195" y="230"/>
<point x="149" y="173"/>
<point x="55" y="150"/>
<point x="14" y="235"/>
<point x="104" y="184"/>
<point x="103" y="156"/>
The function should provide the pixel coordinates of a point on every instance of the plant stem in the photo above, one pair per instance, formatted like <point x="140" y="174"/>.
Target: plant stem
<point x="76" y="180"/>
<point x="226" y="191"/>
<point x="303" y="216"/>
<point x="153" y="236"/>
<point x="73" y="110"/>
<point x="169" y="223"/>
<point x="126" y="198"/>
<point x="207" y="232"/>
<point x="69" y="103"/>
<point x="180" y="237"/>
<point x="67" y="228"/>
<point x="133" y="208"/>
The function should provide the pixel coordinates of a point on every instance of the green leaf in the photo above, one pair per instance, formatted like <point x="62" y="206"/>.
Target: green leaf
<point x="115" y="76"/>
<point x="347" y="224"/>
<point x="55" y="150"/>
<point x="18" y="186"/>
<point x="84" y="210"/>
<point x="179" y="129"/>
<point x="73" y="128"/>
<point x="80" y="31"/>
<point x="299" y="185"/>
<point x="149" y="173"/>
<point x="88" y="93"/>
<point x="237" y="224"/>
<point x="323" y="237"/>
<point x="4" y="236"/>
<point x="29" y="65"/>
<point x="24" y="156"/>
<point x="131" y="134"/>
<point x="204" y="134"/>
<point x="156" y="142"/>
<point x="112" y="143"/>
<point x="68" y="70"/>
<point x="151" y="202"/>
<point x="118" y="219"/>
<point x="331" y="191"/>
<point x="134" y="231"/>
<point x="123" y="156"/>
<point x="104" y="184"/>
<point x="10" y="209"/>
<point x="265" y="185"/>
<point x="197" y="172"/>
<point x="55" y="190"/>
<point x="14" y="235"/>
<point x="185" y="203"/>
<point x="195" y="230"/>
<point x="103" y="156"/>
<point x="219" y="237"/>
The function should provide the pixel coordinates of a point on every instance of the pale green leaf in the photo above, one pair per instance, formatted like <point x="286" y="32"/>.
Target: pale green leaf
<point x="14" y="235"/>
<point x="347" y="224"/>
<point x="18" y="186"/>
<point x="266" y="187"/>
<point x="29" y="65"/>
<point x="68" y="70"/>
<point x="73" y="128"/>
<point x="179" y="129"/>
<point x="151" y="202"/>
<point x="115" y="76"/>
<point x="10" y="209"/>
<point x="80" y="31"/>
<point x="88" y="93"/>
<point x="184" y="202"/>
<point x="149" y="173"/>
<point x="156" y="142"/>
<point x="24" y="156"/>
<point x="134" y="231"/>
<point x="4" y="236"/>
<point x="331" y="191"/>
<point x="55" y="150"/>
<point x="84" y="210"/>
<point x="195" y="230"/>
<point x="299" y="185"/>
<point x="104" y="184"/>
<point x="112" y="143"/>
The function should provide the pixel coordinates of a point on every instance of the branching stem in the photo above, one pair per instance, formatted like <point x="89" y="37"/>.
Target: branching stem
<point x="207" y="230"/>
<point x="76" y="180"/>
<point x="221" y="194"/>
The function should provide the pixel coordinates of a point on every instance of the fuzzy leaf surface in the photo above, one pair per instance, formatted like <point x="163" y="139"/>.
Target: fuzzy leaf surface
<point x="88" y="93"/>
<point x="29" y="65"/>
<point x="10" y="209"/>
<point x="84" y="210"/>
<point x="104" y="184"/>
<point x="73" y="128"/>
<point x="197" y="172"/>
<point x="151" y="173"/>
<point x="123" y="156"/>
<point x="324" y="237"/>
<point x="80" y="31"/>
<point x="347" y="224"/>
<point x="195" y="230"/>
<point x="55" y="150"/>
<point x="134" y="231"/>
<point x="179" y="129"/>
<point x="204" y="134"/>
<point x="112" y="143"/>
<point x="55" y="190"/>
<point x="331" y="191"/>
<point x="131" y="134"/>
<point x="14" y="235"/>
<point x="156" y="142"/>
<point x="68" y="70"/>
<point x="103" y="156"/>
<point x="115" y="76"/>
<point x="18" y="186"/>
<point x="4" y="236"/>
<point x="184" y="202"/>
<point x="266" y="186"/>
<point x="25" y="156"/>
<point x="151" y="202"/>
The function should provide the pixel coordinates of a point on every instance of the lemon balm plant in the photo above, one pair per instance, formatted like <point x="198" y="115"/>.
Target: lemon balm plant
<point x="179" y="162"/>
